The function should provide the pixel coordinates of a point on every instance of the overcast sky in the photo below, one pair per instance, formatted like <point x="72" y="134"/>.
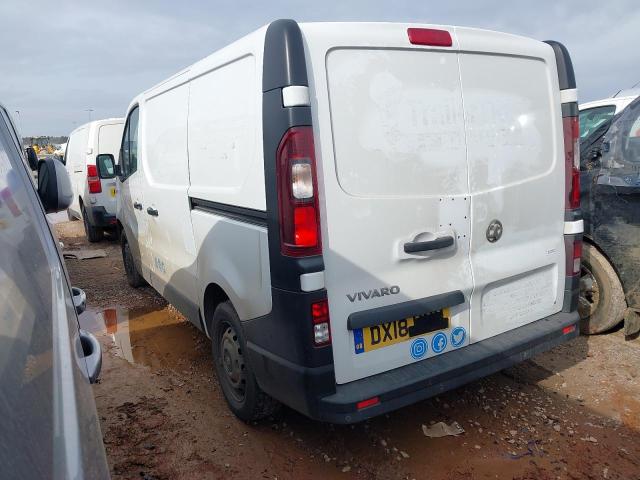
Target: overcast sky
<point x="60" y="58"/>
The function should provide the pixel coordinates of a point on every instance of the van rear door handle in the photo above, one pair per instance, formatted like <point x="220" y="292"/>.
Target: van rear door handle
<point x="152" y="211"/>
<point x="137" y="205"/>
<point x="438" y="243"/>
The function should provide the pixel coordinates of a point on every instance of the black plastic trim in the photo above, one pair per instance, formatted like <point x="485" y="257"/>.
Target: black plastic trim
<point x="438" y="243"/>
<point x="571" y="283"/>
<point x="98" y="217"/>
<point x="573" y="215"/>
<point x="417" y="381"/>
<point x="570" y="109"/>
<point x="571" y="294"/>
<point x="302" y="387"/>
<point x="377" y="316"/>
<point x="241" y="214"/>
<point x="566" y="77"/>
<point x="284" y="62"/>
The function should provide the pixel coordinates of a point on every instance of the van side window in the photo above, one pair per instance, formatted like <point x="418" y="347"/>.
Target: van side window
<point x="129" y="158"/>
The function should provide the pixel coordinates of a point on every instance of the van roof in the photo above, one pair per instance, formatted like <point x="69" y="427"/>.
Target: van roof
<point x="100" y="122"/>
<point x="229" y="49"/>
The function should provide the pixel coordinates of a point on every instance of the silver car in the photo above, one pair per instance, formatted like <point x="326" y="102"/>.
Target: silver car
<point x="48" y="422"/>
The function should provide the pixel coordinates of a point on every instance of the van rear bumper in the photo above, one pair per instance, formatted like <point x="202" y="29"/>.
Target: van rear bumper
<point x="98" y="217"/>
<point x="298" y="386"/>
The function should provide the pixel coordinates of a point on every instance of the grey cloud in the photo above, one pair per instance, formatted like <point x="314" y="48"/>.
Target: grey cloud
<point x="61" y="57"/>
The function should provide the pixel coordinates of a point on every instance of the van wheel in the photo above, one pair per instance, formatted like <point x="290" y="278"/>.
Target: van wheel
<point x="94" y="234"/>
<point x="601" y="303"/>
<point x="133" y="276"/>
<point x="241" y="391"/>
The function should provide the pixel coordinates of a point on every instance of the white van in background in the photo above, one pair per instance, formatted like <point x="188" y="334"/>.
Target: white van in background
<point x="359" y="215"/>
<point x="94" y="184"/>
<point x="595" y="113"/>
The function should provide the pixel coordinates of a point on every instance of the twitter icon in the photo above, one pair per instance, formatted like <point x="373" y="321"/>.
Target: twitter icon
<point x="458" y="336"/>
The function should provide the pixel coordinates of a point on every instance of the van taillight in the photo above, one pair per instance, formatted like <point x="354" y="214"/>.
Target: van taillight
<point x="298" y="194"/>
<point x="93" y="180"/>
<point x="321" y="328"/>
<point x="571" y="130"/>
<point x="573" y="252"/>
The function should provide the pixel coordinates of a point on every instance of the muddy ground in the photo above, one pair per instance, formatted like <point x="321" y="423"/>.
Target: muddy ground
<point x="573" y="412"/>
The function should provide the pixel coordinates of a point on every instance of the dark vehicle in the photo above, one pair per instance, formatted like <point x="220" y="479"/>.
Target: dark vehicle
<point x="610" y="177"/>
<point x="48" y="422"/>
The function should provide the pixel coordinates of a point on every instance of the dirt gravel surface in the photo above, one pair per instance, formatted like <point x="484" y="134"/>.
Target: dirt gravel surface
<point x="573" y="412"/>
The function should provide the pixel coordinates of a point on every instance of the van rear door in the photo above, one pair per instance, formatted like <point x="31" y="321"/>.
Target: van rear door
<point x="396" y="226"/>
<point x="442" y="183"/>
<point x="109" y="138"/>
<point x="513" y="127"/>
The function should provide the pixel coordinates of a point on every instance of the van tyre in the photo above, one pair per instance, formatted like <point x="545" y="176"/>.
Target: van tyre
<point x="602" y="302"/>
<point x="94" y="234"/>
<point x="241" y="391"/>
<point x="133" y="276"/>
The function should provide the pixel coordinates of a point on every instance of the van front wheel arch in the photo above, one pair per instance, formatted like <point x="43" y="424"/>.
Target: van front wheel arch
<point x="235" y="376"/>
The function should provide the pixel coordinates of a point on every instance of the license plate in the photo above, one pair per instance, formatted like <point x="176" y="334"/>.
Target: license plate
<point x="397" y="331"/>
<point x="112" y="191"/>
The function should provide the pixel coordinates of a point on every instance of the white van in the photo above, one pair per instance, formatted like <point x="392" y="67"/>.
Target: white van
<point x="595" y="113"/>
<point x="359" y="215"/>
<point x="94" y="184"/>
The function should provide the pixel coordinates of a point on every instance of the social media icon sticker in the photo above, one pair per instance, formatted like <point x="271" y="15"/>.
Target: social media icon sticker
<point x="418" y="348"/>
<point x="439" y="342"/>
<point x="458" y="336"/>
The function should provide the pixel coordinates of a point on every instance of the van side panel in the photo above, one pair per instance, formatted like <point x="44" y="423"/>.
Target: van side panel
<point x="233" y="255"/>
<point x="165" y="166"/>
<point x="224" y="149"/>
<point x="227" y="191"/>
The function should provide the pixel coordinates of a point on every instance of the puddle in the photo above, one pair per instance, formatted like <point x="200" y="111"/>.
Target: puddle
<point x="155" y="338"/>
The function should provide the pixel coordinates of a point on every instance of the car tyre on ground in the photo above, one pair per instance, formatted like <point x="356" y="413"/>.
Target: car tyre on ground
<point x="241" y="391"/>
<point x="94" y="234"/>
<point x="602" y="302"/>
<point x="133" y="276"/>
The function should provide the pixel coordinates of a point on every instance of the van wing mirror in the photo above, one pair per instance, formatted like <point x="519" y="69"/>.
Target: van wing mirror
<point x="32" y="158"/>
<point x="106" y="165"/>
<point x="54" y="186"/>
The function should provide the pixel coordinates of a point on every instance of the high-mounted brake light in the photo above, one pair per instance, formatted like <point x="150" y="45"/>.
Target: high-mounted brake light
<point x="297" y="194"/>
<point x="571" y="130"/>
<point x="321" y="328"/>
<point x="429" y="36"/>
<point x="93" y="180"/>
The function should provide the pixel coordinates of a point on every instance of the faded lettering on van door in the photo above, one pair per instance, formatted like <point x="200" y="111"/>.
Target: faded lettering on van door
<point x="396" y="134"/>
